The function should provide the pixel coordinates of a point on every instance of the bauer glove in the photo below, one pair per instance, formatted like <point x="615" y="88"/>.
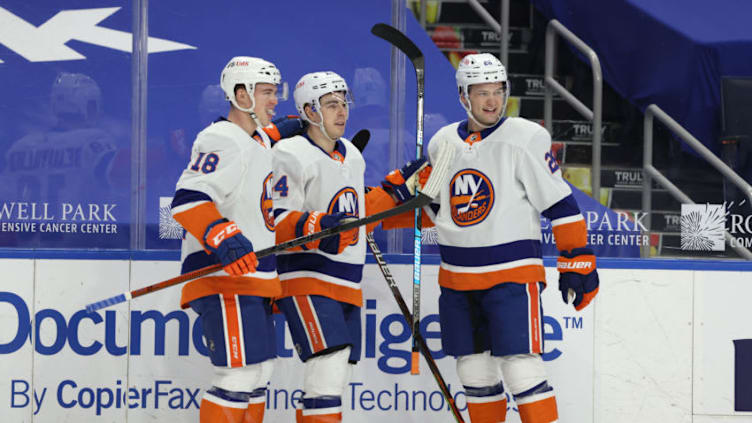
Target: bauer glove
<point x="285" y="127"/>
<point x="577" y="274"/>
<point x="312" y="222"/>
<point x="402" y="183"/>
<point x="234" y="250"/>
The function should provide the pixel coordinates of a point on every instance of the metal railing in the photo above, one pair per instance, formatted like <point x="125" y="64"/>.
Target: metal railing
<point x="501" y="29"/>
<point x="553" y="29"/>
<point x="697" y="146"/>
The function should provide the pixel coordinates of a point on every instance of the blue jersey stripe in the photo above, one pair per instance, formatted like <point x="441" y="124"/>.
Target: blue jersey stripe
<point x="185" y="196"/>
<point x="496" y="254"/>
<point x="314" y="262"/>
<point x="566" y="207"/>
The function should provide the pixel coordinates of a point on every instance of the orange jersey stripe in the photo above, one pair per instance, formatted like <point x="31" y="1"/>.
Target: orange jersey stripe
<point x="570" y="235"/>
<point x="313" y="286"/>
<point x="543" y="411"/>
<point x="285" y="229"/>
<point x="234" y="342"/>
<point x="229" y="285"/>
<point x="311" y="325"/>
<point x="535" y="318"/>
<point x="196" y="219"/>
<point x="377" y="200"/>
<point x="473" y="281"/>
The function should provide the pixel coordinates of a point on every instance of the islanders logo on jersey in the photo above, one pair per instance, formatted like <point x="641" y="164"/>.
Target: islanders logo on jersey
<point x="345" y="201"/>
<point x="267" y="207"/>
<point x="471" y="197"/>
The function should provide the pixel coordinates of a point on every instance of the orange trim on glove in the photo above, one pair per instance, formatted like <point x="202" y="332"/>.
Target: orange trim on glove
<point x="586" y="299"/>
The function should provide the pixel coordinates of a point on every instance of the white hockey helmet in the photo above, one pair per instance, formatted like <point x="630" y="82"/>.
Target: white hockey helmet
<point x="312" y="86"/>
<point x="75" y="94"/>
<point x="478" y="69"/>
<point x="249" y="71"/>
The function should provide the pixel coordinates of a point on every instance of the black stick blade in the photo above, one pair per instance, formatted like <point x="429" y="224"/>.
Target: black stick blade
<point x="399" y="40"/>
<point x="360" y="140"/>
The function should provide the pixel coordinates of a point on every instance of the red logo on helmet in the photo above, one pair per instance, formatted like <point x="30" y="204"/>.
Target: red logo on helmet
<point x="471" y="197"/>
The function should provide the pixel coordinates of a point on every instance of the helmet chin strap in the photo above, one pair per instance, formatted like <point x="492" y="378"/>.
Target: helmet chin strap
<point x="323" y="129"/>
<point x="249" y="110"/>
<point x="469" y="110"/>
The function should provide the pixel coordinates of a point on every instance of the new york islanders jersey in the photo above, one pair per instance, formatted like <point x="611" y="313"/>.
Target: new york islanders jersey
<point x="231" y="171"/>
<point x="307" y="178"/>
<point x="488" y="217"/>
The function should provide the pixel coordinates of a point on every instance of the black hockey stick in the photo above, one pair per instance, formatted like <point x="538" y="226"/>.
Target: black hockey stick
<point x="405" y="45"/>
<point x="360" y="144"/>
<point x="416" y="333"/>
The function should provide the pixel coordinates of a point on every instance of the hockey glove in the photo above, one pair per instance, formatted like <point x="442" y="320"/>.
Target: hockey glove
<point x="316" y="221"/>
<point x="234" y="250"/>
<point x="286" y="127"/>
<point x="402" y="183"/>
<point x="577" y="273"/>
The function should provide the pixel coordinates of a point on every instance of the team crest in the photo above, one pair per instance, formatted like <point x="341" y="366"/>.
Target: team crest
<point x="267" y="207"/>
<point x="346" y="201"/>
<point x="471" y="196"/>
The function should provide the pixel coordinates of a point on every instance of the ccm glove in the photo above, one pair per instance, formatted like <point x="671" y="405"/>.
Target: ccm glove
<point x="577" y="274"/>
<point x="233" y="249"/>
<point x="402" y="183"/>
<point x="312" y="222"/>
<point x="286" y="127"/>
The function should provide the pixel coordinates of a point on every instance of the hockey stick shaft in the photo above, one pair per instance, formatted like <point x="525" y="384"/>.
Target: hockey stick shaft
<point x="405" y="45"/>
<point x="416" y="332"/>
<point x="418" y="229"/>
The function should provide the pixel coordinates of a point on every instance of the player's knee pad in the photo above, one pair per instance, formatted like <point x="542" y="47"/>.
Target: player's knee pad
<point x="328" y="374"/>
<point x="478" y="370"/>
<point x="242" y="379"/>
<point x="523" y="372"/>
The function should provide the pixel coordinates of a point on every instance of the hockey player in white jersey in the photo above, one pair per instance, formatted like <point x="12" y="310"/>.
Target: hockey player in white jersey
<point x="319" y="182"/>
<point x="491" y="274"/>
<point x="224" y="202"/>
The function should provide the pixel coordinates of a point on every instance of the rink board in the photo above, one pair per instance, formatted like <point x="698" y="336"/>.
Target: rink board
<point x="657" y="346"/>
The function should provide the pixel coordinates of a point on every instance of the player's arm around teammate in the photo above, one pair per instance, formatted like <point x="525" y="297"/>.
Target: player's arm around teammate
<point x="491" y="275"/>
<point x="223" y="200"/>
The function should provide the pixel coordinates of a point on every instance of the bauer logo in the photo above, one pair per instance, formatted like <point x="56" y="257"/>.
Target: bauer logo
<point x="169" y="228"/>
<point x="471" y="197"/>
<point x="703" y="227"/>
